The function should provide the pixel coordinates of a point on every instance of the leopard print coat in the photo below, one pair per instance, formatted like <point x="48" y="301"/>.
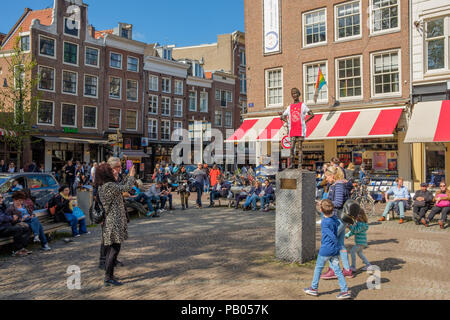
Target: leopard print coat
<point x="115" y="226"/>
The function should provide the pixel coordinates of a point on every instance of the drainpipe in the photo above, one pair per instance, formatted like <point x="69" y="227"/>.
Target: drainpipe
<point x="411" y="74"/>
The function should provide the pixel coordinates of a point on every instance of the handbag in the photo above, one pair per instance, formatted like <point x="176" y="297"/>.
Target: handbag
<point x="97" y="212"/>
<point x="78" y="213"/>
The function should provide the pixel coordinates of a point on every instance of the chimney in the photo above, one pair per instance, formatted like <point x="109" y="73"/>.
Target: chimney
<point x="91" y="30"/>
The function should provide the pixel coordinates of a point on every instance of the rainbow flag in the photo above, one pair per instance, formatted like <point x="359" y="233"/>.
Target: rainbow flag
<point x="319" y="84"/>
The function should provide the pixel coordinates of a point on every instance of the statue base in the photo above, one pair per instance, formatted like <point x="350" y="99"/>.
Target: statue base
<point x="295" y="234"/>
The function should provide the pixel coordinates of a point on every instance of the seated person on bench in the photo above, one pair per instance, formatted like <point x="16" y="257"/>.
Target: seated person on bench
<point x="166" y="194"/>
<point x="266" y="195"/>
<point x="154" y="194"/>
<point x="220" y="189"/>
<point x="253" y="196"/>
<point x="242" y="194"/>
<point x="10" y="226"/>
<point x="140" y="197"/>
<point x="26" y="215"/>
<point x="401" y="196"/>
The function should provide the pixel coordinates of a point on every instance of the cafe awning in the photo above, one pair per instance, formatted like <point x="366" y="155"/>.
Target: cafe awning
<point x="348" y="124"/>
<point x="135" y="154"/>
<point x="429" y="122"/>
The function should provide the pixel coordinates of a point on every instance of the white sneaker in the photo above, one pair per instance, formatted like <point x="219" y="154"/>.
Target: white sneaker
<point x="36" y="239"/>
<point x="368" y="268"/>
<point x="46" y="248"/>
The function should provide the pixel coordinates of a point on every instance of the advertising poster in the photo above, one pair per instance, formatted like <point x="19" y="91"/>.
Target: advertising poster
<point x="392" y="164"/>
<point x="272" y="37"/>
<point x="357" y="158"/>
<point x="379" y="161"/>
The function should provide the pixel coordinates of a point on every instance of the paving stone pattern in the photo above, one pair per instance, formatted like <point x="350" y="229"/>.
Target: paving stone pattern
<point x="221" y="253"/>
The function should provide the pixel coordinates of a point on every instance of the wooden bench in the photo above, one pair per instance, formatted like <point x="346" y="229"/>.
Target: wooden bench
<point x="49" y="226"/>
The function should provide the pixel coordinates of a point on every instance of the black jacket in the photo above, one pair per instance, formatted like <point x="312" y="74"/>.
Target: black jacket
<point x="428" y="198"/>
<point x="62" y="207"/>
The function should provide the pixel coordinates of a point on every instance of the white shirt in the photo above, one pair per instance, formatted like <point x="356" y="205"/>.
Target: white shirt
<point x="305" y="110"/>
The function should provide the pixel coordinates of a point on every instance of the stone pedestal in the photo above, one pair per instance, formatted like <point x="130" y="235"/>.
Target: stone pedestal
<point x="84" y="202"/>
<point x="295" y="235"/>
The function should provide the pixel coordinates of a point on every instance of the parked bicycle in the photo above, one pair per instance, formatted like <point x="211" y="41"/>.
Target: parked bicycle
<point x="363" y="197"/>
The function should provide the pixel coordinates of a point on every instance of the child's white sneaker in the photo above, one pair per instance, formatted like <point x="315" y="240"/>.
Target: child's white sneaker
<point x="368" y="268"/>
<point x="36" y="239"/>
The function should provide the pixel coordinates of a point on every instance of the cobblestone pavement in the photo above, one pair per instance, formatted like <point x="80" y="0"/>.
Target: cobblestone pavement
<point x="221" y="253"/>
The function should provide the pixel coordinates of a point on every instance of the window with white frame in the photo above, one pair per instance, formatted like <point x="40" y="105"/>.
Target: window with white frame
<point x="203" y="101"/>
<point x="218" y="118"/>
<point x="178" y="108"/>
<point x="228" y="119"/>
<point x="45" y="112"/>
<point x="314" y="27"/>
<point x="386" y="73"/>
<point x="70" y="53"/>
<point x="153" y="129"/>
<point x="165" y="87"/>
<point x="274" y="88"/>
<point x="47" y="78"/>
<point x="114" y="118"/>
<point x="348" y="16"/>
<point x="153" y="104"/>
<point x="192" y="101"/>
<point x="165" y="106"/>
<point x="311" y="73"/>
<point x="167" y="53"/>
<point x="153" y="83"/>
<point x="90" y="86"/>
<point x="19" y="76"/>
<point x="177" y="125"/>
<point x="132" y="90"/>
<point x="70" y="82"/>
<point x="89" y="117"/>
<point x="25" y="43"/>
<point x="349" y="77"/>
<point x="165" y="130"/>
<point x="68" y="115"/>
<point x="384" y="15"/>
<point x="115" y="88"/>
<point x="133" y="64"/>
<point x="92" y="57"/>
<point x="115" y="60"/>
<point x="46" y="46"/>
<point x="131" y="123"/>
<point x="242" y="58"/>
<point x="243" y="82"/>
<point x="179" y="87"/>
<point x="217" y="94"/>
<point x="437" y="39"/>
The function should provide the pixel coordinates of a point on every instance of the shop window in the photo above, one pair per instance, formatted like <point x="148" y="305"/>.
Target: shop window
<point x="435" y="163"/>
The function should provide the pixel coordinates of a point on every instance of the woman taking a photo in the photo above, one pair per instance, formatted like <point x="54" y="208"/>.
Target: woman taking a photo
<point x="115" y="224"/>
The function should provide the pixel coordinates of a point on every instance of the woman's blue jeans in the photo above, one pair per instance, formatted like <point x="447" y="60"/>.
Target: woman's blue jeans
<point x="73" y="222"/>
<point x="37" y="229"/>
<point x="334" y="264"/>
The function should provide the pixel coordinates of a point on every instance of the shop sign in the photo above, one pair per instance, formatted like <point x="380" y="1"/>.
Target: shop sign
<point x="144" y="142"/>
<point x="313" y="147"/>
<point x="70" y="130"/>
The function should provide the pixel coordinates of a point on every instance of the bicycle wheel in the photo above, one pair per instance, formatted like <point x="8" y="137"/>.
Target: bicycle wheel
<point x="367" y="204"/>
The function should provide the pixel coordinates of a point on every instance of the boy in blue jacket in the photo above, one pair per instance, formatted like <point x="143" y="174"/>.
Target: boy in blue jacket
<point x="329" y="251"/>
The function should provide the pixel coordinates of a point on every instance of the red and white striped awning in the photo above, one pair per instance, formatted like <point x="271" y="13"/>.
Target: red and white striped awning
<point x="9" y="133"/>
<point x="357" y="124"/>
<point x="430" y="122"/>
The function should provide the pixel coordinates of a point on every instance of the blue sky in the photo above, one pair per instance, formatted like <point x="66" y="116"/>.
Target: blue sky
<point x="179" y="22"/>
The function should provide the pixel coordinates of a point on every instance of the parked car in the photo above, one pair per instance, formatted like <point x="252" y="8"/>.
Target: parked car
<point x="43" y="186"/>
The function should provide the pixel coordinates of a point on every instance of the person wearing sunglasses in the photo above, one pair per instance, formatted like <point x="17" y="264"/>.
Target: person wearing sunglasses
<point x="442" y="205"/>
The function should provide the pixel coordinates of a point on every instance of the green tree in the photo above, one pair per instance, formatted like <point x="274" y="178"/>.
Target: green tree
<point x="19" y="98"/>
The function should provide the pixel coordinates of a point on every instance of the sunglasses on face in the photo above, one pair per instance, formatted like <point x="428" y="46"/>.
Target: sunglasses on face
<point x="443" y="186"/>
